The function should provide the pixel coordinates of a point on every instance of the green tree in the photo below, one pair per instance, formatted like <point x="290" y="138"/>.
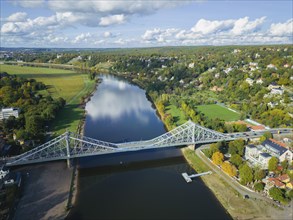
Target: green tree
<point x="218" y="158"/>
<point x="259" y="174"/>
<point x="245" y="174"/>
<point x="34" y="124"/>
<point x="273" y="163"/>
<point x="232" y="149"/>
<point x="285" y="164"/>
<point x="236" y="160"/>
<point x="258" y="186"/>
<point x="277" y="194"/>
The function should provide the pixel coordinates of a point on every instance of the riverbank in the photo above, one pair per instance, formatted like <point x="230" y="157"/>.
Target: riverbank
<point x="232" y="200"/>
<point x="45" y="191"/>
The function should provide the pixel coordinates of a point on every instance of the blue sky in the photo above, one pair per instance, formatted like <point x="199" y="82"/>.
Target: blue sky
<point x="142" y="23"/>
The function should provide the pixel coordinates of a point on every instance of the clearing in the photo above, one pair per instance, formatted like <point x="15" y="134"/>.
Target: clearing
<point x="216" y="111"/>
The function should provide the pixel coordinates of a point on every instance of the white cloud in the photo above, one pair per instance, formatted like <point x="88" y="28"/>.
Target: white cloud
<point x="82" y="38"/>
<point x="159" y="35"/>
<point x="243" y="25"/>
<point x="28" y="3"/>
<point x="207" y="27"/>
<point x="113" y="19"/>
<point x="18" y="16"/>
<point x="281" y="29"/>
<point x="236" y="27"/>
<point x="107" y="34"/>
<point x="222" y="32"/>
<point x="111" y="7"/>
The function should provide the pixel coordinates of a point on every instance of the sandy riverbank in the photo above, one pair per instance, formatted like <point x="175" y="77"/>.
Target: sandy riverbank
<point x="232" y="201"/>
<point x="45" y="191"/>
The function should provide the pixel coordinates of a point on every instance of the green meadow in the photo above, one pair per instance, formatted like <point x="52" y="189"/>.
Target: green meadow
<point x="216" y="111"/>
<point x="67" y="84"/>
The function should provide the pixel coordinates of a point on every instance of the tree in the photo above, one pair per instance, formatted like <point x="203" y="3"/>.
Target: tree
<point x="268" y="135"/>
<point x="277" y="194"/>
<point x="285" y="164"/>
<point x="229" y="168"/>
<point x="273" y="163"/>
<point x="218" y="158"/>
<point x="214" y="148"/>
<point x="259" y="186"/>
<point x="236" y="147"/>
<point x="245" y="174"/>
<point x="290" y="194"/>
<point x="259" y="174"/>
<point x="236" y="160"/>
<point x="232" y="148"/>
<point x="33" y="124"/>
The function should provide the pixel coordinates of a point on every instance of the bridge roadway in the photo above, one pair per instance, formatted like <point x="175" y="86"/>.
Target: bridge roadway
<point x="69" y="145"/>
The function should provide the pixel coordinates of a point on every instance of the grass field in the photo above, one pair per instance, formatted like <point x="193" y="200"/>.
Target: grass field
<point x="177" y="114"/>
<point x="67" y="84"/>
<point x="216" y="111"/>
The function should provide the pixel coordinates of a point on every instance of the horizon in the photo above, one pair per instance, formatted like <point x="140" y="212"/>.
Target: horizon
<point x="144" y="24"/>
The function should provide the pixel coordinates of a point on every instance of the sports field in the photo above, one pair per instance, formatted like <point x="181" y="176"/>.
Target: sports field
<point x="216" y="111"/>
<point x="67" y="84"/>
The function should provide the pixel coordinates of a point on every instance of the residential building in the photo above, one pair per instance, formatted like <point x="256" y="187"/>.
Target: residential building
<point x="284" y="178"/>
<point x="278" y="151"/>
<point x="259" y="81"/>
<point x="277" y="91"/>
<point x="261" y="154"/>
<point x="290" y="185"/>
<point x="5" y="113"/>
<point x="3" y="172"/>
<point x="249" y="81"/>
<point x="273" y="85"/>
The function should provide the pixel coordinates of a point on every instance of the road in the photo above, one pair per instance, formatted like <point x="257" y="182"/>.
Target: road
<point x="254" y="134"/>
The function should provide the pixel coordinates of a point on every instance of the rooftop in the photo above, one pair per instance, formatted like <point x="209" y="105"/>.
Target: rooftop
<point x="265" y="155"/>
<point x="274" y="147"/>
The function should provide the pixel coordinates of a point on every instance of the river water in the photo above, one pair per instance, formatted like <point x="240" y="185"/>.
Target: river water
<point x="137" y="185"/>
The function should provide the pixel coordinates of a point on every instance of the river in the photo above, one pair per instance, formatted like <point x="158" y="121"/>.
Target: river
<point x="137" y="185"/>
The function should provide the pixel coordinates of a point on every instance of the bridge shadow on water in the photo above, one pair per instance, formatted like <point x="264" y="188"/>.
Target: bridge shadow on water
<point x="124" y="160"/>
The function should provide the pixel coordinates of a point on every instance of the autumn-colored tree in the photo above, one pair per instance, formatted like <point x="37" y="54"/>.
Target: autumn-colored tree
<point x="218" y="158"/>
<point x="229" y="168"/>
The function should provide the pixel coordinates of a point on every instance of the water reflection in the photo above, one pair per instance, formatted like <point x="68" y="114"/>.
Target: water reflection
<point x="120" y="112"/>
<point x="116" y="99"/>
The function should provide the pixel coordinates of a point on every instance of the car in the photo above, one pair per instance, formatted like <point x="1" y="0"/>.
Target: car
<point x="246" y="197"/>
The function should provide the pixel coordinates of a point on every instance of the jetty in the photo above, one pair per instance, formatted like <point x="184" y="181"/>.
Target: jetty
<point x="188" y="178"/>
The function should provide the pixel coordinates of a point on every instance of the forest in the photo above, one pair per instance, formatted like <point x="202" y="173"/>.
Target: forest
<point x="36" y="111"/>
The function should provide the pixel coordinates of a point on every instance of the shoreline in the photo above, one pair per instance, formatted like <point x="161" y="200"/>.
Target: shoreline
<point x="74" y="184"/>
<point x="50" y="194"/>
<point x="231" y="199"/>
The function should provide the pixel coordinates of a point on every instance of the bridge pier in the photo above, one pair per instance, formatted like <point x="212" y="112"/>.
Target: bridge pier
<point x="68" y="150"/>
<point x="191" y="146"/>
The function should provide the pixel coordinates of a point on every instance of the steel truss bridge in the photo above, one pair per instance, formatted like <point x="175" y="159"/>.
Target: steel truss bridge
<point x="70" y="145"/>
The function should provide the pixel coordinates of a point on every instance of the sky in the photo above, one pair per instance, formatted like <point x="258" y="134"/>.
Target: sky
<point x="144" y="23"/>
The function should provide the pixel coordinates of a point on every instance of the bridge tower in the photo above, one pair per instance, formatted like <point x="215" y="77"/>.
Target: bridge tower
<point x="68" y="149"/>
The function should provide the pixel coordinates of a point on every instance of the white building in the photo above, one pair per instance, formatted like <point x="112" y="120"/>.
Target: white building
<point x="261" y="154"/>
<point x="278" y="91"/>
<point x="249" y="81"/>
<point x="259" y="81"/>
<point x="5" y="113"/>
<point x="3" y="172"/>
